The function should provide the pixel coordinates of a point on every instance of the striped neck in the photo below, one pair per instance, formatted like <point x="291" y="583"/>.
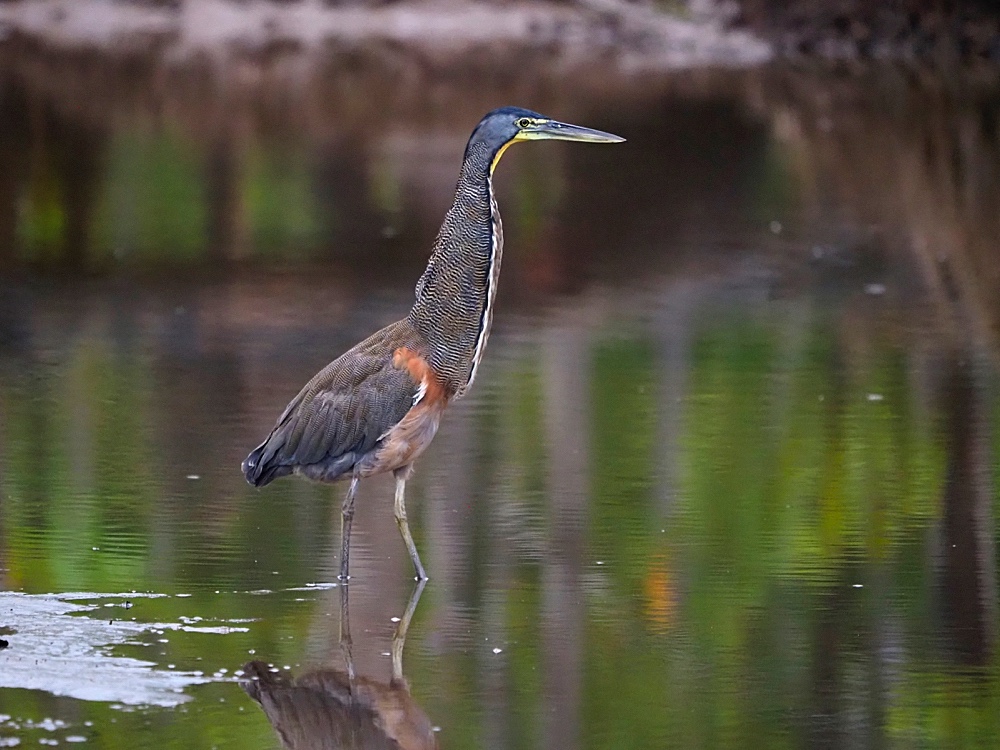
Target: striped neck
<point x="454" y="297"/>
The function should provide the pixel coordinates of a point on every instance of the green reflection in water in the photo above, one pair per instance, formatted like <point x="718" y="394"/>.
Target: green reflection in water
<point x="77" y="480"/>
<point x="152" y="189"/>
<point x="280" y="204"/>
<point x="780" y="581"/>
<point x="43" y="223"/>
<point x="154" y="196"/>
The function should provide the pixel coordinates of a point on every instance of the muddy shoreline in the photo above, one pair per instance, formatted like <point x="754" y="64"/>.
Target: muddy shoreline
<point x="621" y="35"/>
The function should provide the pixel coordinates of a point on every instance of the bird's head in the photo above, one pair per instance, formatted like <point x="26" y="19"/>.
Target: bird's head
<point x="505" y="126"/>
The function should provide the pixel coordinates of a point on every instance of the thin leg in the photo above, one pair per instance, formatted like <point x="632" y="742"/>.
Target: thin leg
<point x="399" y="637"/>
<point x="404" y="527"/>
<point x="345" y="529"/>
<point x="345" y="635"/>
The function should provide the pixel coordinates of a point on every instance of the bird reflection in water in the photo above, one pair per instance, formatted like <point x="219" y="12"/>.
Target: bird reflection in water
<point x="323" y="709"/>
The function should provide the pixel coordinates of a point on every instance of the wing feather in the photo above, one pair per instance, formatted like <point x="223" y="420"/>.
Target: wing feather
<point x="338" y="416"/>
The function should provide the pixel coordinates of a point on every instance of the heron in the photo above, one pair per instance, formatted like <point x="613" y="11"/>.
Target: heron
<point x="377" y="407"/>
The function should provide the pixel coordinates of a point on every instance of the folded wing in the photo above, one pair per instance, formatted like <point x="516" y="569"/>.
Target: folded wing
<point x="338" y="417"/>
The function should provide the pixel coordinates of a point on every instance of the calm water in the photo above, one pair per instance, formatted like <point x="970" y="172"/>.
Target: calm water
<point x="727" y="477"/>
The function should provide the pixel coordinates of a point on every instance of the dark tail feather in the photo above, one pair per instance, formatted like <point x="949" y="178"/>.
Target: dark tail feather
<point x="260" y="468"/>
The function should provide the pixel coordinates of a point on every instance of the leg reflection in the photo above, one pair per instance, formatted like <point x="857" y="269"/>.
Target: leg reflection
<point x="345" y="632"/>
<point x="399" y="637"/>
<point x="333" y="708"/>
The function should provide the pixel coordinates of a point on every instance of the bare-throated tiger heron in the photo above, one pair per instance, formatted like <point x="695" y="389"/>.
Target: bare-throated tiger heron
<point x="377" y="407"/>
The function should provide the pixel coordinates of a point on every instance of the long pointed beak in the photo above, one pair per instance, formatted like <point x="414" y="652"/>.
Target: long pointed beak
<point x="563" y="131"/>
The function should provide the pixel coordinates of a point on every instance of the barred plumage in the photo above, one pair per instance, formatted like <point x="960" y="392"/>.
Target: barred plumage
<point x="376" y="407"/>
<point x="452" y="309"/>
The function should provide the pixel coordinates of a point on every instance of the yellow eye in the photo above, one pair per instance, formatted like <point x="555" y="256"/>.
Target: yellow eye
<point x="524" y="122"/>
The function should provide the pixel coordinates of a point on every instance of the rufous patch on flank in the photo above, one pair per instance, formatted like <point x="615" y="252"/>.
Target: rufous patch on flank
<point x="420" y="370"/>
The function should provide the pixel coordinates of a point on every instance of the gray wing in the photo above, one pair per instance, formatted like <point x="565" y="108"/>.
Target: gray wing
<point x="337" y="418"/>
